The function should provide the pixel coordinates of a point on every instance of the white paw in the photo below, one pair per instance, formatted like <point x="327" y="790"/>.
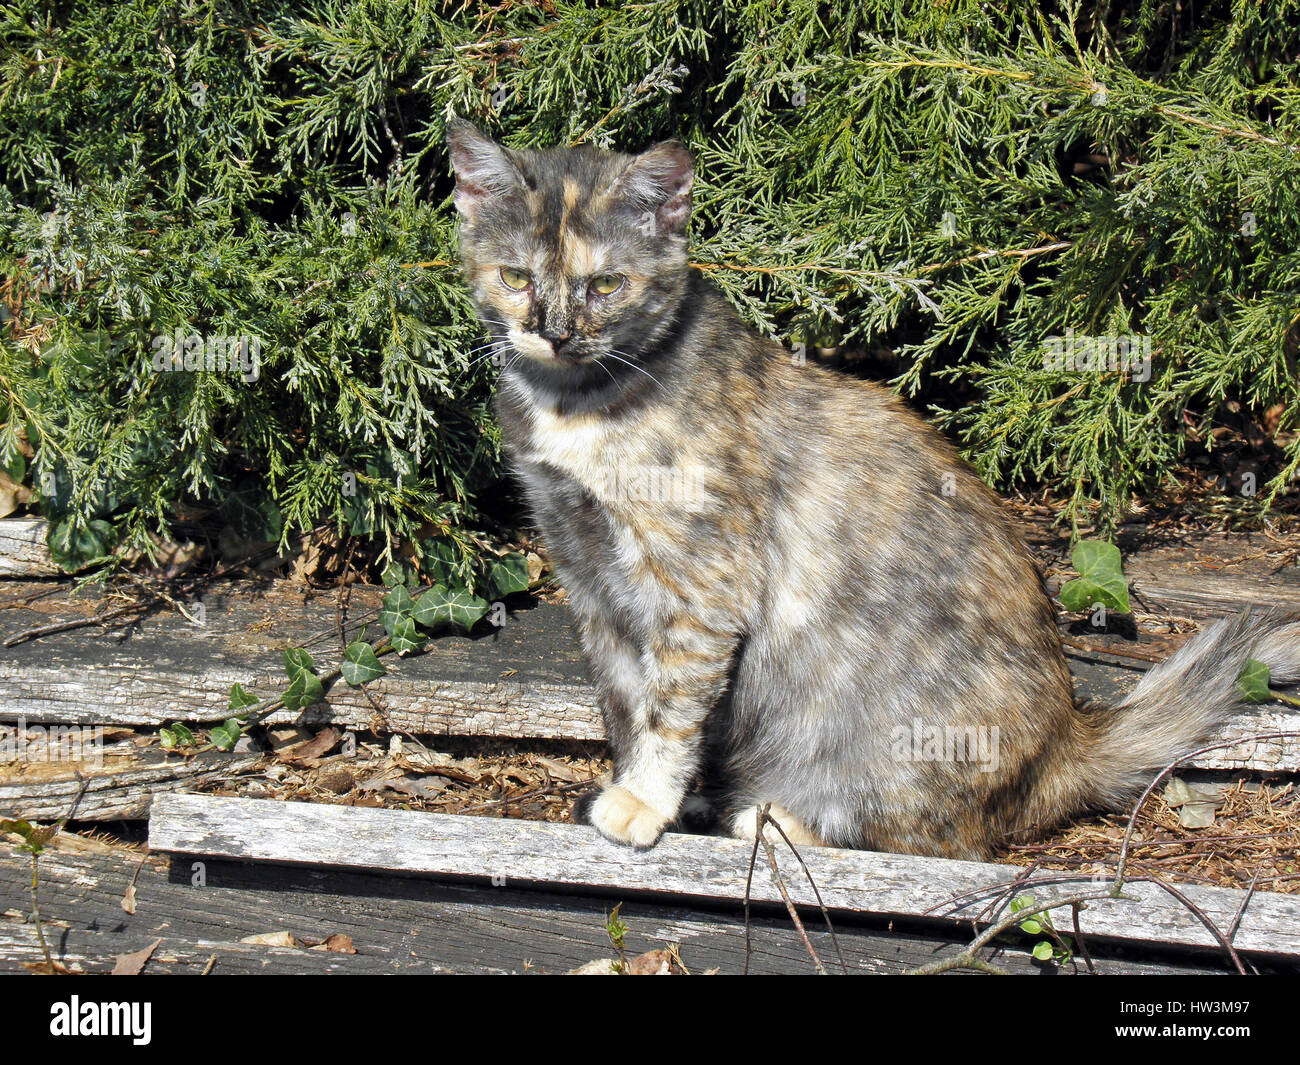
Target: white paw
<point x="619" y="815"/>
<point x="743" y="826"/>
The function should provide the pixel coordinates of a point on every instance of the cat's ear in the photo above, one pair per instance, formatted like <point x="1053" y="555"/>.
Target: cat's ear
<point x="658" y="182"/>
<point x="484" y="169"/>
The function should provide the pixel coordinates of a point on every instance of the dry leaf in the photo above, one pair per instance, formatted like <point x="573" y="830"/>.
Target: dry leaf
<point x="599" y="967"/>
<point x="420" y="787"/>
<point x="273" y="939"/>
<point x="133" y="964"/>
<point x="651" y="963"/>
<point x="560" y="771"/>
<point x="128" y="900"/>
<point x="338" y="943"/>
<point x="313" y="750"/>
<point x="12" y="495"/>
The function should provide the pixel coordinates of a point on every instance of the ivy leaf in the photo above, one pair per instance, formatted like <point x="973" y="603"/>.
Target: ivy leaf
<point x="239" y="698"/>
<point x="1101" y="578"/>
<point x="304" y="686"/>
<point x="397" y="605"/>
<point x="397" y="574"/>
<point x="509" y="574"/>
<point x="460" y="610"/>
<point x="360" y="663"/>
<point x="1043" y="951"/>
<point x="73" y="543"/>
<point x="1252" y="683"/>
<point x="404" y="636"/>
<point x="176" y="735"/>
<point x="226" y="735"/>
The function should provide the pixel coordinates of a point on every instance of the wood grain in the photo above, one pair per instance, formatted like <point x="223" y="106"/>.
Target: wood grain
<point x="682" y="867"/>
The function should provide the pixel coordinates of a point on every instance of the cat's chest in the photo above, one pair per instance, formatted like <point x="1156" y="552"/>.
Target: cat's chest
<point x="583" y="447"/>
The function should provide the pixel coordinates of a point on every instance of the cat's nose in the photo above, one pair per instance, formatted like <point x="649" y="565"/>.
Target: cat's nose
<point x="559" y="341"/>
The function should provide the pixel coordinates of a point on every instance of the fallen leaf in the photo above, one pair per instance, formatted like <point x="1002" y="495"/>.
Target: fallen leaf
<point x="599" y="967"/>
<point x="651" y="963"/>
<point x="313" y="750"/>
<point x="1196" y="815"/>
<point x="560" y="771"/>
<point x="128" y="900"/>
<point x="133" y="964"/>
<point x="419" y="787"/>
<point x="338" y="943"/>
<point x="272" y="939"/>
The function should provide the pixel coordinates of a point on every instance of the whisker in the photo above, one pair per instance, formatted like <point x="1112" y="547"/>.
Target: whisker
<point x="628" y="362"/>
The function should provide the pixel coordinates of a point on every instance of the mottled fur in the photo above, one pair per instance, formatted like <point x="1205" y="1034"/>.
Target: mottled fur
<point x="833" y="578"/>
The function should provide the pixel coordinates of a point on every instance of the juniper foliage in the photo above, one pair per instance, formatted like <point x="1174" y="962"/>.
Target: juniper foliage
<point x="955" y="183"/>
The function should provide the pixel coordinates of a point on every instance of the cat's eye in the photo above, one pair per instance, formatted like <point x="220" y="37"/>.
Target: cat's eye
<point x="515" y="279"/>
<point x="607" y="284"/>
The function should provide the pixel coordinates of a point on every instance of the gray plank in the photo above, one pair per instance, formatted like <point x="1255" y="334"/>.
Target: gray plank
<point x="526" y="680"/>
<point x="409" y="925"/>
<point x="23" y="548"/>
<point x="680" y="866"/>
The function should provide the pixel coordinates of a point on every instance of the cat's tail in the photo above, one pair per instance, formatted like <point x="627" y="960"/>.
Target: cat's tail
<point x="1180" y="703"/>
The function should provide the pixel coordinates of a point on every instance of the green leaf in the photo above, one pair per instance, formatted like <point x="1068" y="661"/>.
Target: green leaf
<point x="74" y="543"/>
<point x="460" y="610"/>
<point x="177" y="735"/>
<point x="1031" y="926"/>
<point x="360" y="663"/>
<point x="1252" y="683"/>
<point x="438" y="560"/>
<point x="398" y="604"/>
<point x="508" y="575"/>
<point x="1043" y="951"/>
<point x="397" y="574"/>
<point x="18" y="828"/>
<point x="1101" y="578"/>
<point x="304" y="686"/>
<point x="239" y="698"/>
<point x="15" y="465"/>
<point x="404" y="636"/>
<point x="225" y="736"/>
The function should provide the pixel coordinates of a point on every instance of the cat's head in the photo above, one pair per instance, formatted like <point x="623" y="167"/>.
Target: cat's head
<point x="576" y="257"/>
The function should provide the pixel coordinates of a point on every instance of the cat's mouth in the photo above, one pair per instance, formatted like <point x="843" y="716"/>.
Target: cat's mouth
<point x="532" y="346"/>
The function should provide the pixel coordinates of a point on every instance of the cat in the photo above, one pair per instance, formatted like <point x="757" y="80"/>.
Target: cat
<point x="784" y="580"/>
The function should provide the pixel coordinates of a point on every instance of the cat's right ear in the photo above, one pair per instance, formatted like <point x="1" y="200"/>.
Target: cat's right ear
<point x="484" y="169"/>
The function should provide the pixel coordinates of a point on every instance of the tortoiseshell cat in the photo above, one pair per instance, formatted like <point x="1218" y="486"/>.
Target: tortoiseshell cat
<point x="782" y="577"/>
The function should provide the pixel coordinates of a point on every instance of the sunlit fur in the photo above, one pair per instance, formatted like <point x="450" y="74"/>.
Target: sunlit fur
<point x="837" y="579"/>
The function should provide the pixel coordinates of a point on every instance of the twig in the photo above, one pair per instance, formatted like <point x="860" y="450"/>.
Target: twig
<point x="761" y="836"/>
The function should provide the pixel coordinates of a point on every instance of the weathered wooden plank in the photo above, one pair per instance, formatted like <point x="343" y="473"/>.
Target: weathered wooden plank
<point x="529" y="680"/>
<point x="414" y="925"/>
<point x="23" y="548"/>
<point x="681" y="866"/>
<point x="119" y="788"/>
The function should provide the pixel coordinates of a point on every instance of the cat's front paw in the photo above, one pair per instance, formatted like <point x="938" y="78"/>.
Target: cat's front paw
<point x="619" y="815"/>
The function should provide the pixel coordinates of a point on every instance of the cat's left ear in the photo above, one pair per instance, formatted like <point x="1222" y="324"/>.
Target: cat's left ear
<point x="484" y="169"/>
<point x="659" y="181"/>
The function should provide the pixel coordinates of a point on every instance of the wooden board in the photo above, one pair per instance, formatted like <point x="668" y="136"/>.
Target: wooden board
<point x="682" y="867"/>
<point x="525" y="680"/>
<point x="415" y="925"/>
<point x="119" y="784"/>
<point x="23" y="548"/>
